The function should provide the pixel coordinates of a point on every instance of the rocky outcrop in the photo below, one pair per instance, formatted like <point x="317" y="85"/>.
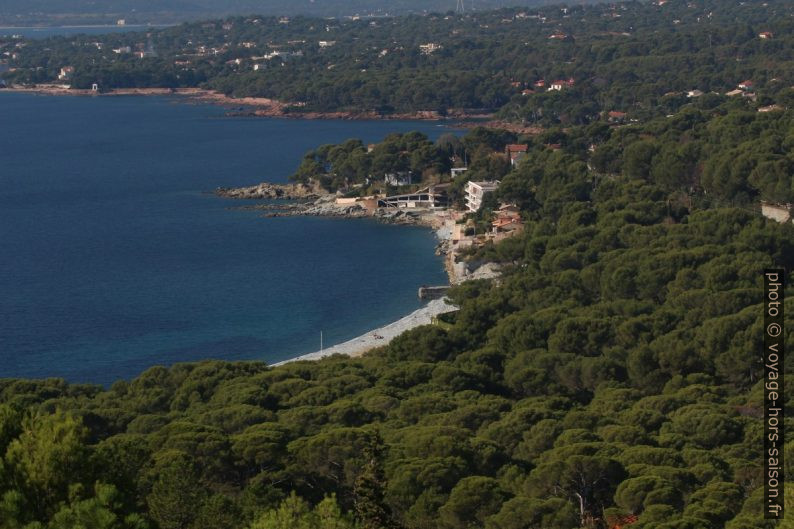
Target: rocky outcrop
<point x="461" y="271"/>
<point x="326" y="206"/>
<point x="271" y="191"/>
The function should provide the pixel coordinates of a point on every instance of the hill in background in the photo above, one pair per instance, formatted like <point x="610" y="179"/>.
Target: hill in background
<point x="61" y="12"/>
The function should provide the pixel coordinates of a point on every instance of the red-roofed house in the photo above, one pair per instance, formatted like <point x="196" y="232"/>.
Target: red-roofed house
<point x="515" y="153"/>
<point x="561" y="84"/>
<point x="765" y="35"/>
<point x="746" y="85"/>
<point x="508" y="220"/>
<point x="615" y="116"/>
<point x="504" y="224"/>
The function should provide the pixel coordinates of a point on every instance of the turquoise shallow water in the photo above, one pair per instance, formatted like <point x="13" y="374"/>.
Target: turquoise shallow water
<point x="113" y="256"/>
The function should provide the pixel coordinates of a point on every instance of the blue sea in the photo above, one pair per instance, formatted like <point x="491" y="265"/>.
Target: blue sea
<point x="115" y="257"/>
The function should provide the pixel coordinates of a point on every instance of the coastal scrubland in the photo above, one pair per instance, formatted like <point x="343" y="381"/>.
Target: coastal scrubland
<point x="611" y="375"/>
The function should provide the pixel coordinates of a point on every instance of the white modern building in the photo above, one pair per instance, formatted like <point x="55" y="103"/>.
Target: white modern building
<point x="475" y="191"/>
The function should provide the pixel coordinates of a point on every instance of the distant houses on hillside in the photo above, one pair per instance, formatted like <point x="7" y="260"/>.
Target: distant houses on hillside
<point x="562" y="84"/>
<point x="430" y="47"/>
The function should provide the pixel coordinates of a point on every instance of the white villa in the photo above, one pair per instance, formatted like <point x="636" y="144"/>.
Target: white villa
<point x="475" y="191"/>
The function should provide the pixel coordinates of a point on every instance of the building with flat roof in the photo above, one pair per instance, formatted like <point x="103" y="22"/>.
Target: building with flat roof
<point x="475" y="191"/>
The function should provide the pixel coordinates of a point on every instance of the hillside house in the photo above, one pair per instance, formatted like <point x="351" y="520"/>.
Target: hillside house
<point x="507" y="222"/>
<point x="430" y="47"/>
<point x="506" y="225"/>
<point x="399" y="178"/>
<point x="66" y="73"/>
<point x="515" y="153"/>
<point x="431" y="197"/>
<point x="561" y="84"/>
<point x="476" y="191"/>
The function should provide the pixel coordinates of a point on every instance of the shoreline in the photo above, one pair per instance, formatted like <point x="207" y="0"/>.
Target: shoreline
<point x="380" y="336"/>
<point x="257" y="106"/>
<point x="325" y="206"/>
<point x="308" y="202"/>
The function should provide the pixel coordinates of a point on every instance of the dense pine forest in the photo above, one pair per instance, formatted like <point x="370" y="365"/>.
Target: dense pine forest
<point x="638" y="58"/>
<point x="611" y="376"/>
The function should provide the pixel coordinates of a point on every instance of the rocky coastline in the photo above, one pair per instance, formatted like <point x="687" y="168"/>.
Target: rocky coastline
<point x="303" y="200"/>
<point x="320" y="203"/>
<point x="249" y="106"/>
<point x="267" y="190"/>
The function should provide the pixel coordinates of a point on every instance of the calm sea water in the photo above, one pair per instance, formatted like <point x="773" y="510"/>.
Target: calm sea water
<point x="113" y="256"/>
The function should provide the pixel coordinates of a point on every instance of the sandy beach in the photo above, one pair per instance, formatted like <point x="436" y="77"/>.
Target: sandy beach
<point x="381" y="336"/>
<point x="441" y="224"/>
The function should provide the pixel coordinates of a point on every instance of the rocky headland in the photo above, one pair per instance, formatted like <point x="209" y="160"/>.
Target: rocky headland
<point x="273" y="191"/>
<point x="252" y="106"/>
<point x="326" y="206"/>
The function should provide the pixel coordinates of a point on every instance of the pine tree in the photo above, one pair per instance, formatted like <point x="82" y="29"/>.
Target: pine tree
<point x="370" y="486"/>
